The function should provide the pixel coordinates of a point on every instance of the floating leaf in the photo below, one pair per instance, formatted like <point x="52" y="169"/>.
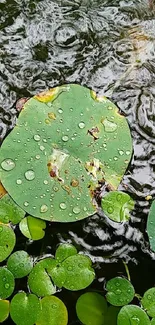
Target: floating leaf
<point x="120" y="291"/>
<point x="151" y="226"/>
<point x="153" y="321"/>
<point x="20" y="264"/>
<point x="91" y="308"/>
<point x="66" y="142"/>
<point x="117" y="205"/>
<point x="10" y="211"/>
<point x="53" y="312"/>
<point x="32" y="228"/>
<point x="7" y="283"/>
<point x="7" y="241"/>
<point x="148" y="302"/>
<point x="39" y="280"/>
<point x="132" y="315"/>
<point x="4" y="310"/>
<point x="64" y="251"/>
<point x="74" y="273"/>
<point x="25" y="309"/>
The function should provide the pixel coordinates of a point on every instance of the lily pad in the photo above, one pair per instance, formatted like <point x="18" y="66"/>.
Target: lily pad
<point x="39" y="280"/>
<point x="7" y="241"/>
<point x="117" y="206"/>
<point x="151" y="226"/>
<point x="10" y="211"/>
<point x="64" y="251"/>
<point x="132" y="314"/>
<point x="25" y="309"/>
<point x="148" y="302"/>
<point x="4" y="310"/>
<point x="53" y="312"/>
<point x="7" y="283"/>
<point x="91" y="308"/>
<point x="120" y="291"/>
<point x="32" y="228"/>
<point x="153" y="321"/>
<point x="67" y="141"/>
<point x="20" y="264"/>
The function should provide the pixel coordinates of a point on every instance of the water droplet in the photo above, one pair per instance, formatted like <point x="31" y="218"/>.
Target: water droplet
<point x="19" y="181"/>
<point x="4" y="279"/>
<point x="85" y="209"/>
<point x="30" y="175"/>
<point x="65" y="138"/>
<point x="60" y="111"/>
<point x="42" y="148"/>
<point x="63" y="206"/>
<point x="115" y="158"/>
<point x="45" y="182"/>
<point x="44" y="208"/>
<point x="26" y="204"/>
<point x="36" y="137"/>
<point x="149" y="297"/>
<point x="56" y="189"/>
<point x="76" y="210"/>
<point x="8" y="164"/>
<point x="121" y="152"/>
<point x="127" y="153"/>
<point x="74" y="183"/>
<point x="109" y="126"/>
<point x="72" y="287"/>
<point x="70" y="214"/>
<point x="82" y="125"/>
<point x="1" y="228"/>
<point x="110" y="210"/>
<point x="135" y="319"/>
<point x="37" y="157"/>
<point x="7" y="285"/>
<point x="44" y="140"/>
<point x="110" y="107"/>
<point x="118" y="292"/>
<point x="69" y="268"/>
<point x="54" y="306"/>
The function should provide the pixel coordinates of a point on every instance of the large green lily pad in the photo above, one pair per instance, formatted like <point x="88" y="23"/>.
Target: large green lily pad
<point x="66" y="143"/>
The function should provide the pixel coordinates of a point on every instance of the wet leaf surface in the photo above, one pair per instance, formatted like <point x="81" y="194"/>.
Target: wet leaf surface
<point x="148" y="302"/>
<point x="7" y="283"/>
<point x="131" y="314"/>
<point x="20" y="264"/>
<point x="70" y="141"/>
<point x="10" y="211"/>
<point x="53" y="312"/>
<point x="120" y="291"/>
<point x="7" y="241"/>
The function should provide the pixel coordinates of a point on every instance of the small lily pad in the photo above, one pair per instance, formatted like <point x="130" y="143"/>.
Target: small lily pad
<point x="117" y="206"/>
<point x="53" y="312"/>
<point x="25" y="309"/>
<point x="132" y="314"/>
<point x="32" y="228"/>
<point x="7" y="241"/>
<point x="151" y="226"/>
<point x="39" y="280"/>
<point x="153" y="321"/>
<point x="7" y="283"/>
<point x="148" y="302"/>
<point x="91" y="308"/>
<point x="120" y="291"/>
<point x="10" y="211"/>
<point x="64" y="251"/>
<point x="4" y="310"/>
<point x="20" y="264"/>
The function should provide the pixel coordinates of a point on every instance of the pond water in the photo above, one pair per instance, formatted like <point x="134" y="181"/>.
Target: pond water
<point x="108" y="46"/>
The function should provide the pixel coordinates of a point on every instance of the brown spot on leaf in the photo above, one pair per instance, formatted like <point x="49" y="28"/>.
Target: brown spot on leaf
<point x="93" y="132"/>
<point x="2" y="191"/>
<point x="52" y="116"/>
<point x="74" y="182"/>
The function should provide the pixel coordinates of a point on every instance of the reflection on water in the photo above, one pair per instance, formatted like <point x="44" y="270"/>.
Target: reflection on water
<point x="108" y="46"/>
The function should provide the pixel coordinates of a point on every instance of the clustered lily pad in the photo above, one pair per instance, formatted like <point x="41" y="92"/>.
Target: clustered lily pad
<point x="66" y="143"/>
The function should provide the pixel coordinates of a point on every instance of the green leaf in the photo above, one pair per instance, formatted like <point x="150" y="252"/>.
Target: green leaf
<point x="63" y="146"/>
<point x="25" y="309"/>
<point x="111" y="315"/>
<point x="7" y="241"/>
<point x="64" y="251"/>
<point x="151" y="226"/>
<point x="153" y="321"/>
<point x="117" y="206"/>
<point x="53" y="312"/>
<point x="4" y="310"/>
<point x="148" y="302"/>
<point x="132" y="315"/>
<point x="75" y="271"/>
<point x="10" y="211"/>
<point x="20" y="264"/>
<point x="32" y="228"/>
<point x="39" y="280"/>
<point x="91" y="309"/>
<point x="120" y="291"/>
<point x="7" y="283"/>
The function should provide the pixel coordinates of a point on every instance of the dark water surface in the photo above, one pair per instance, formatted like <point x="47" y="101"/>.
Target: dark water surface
<point x="108" y="46"/>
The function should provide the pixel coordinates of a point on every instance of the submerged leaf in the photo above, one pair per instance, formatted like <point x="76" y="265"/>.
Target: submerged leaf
<point x="117" y="206"/>
<point x="65" y="144"/>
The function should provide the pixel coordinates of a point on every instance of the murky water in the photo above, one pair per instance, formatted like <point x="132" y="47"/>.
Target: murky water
<point x="108" y="46"/>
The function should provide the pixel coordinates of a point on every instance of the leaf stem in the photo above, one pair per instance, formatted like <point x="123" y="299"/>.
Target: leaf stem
<point x="127" y="271"/>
